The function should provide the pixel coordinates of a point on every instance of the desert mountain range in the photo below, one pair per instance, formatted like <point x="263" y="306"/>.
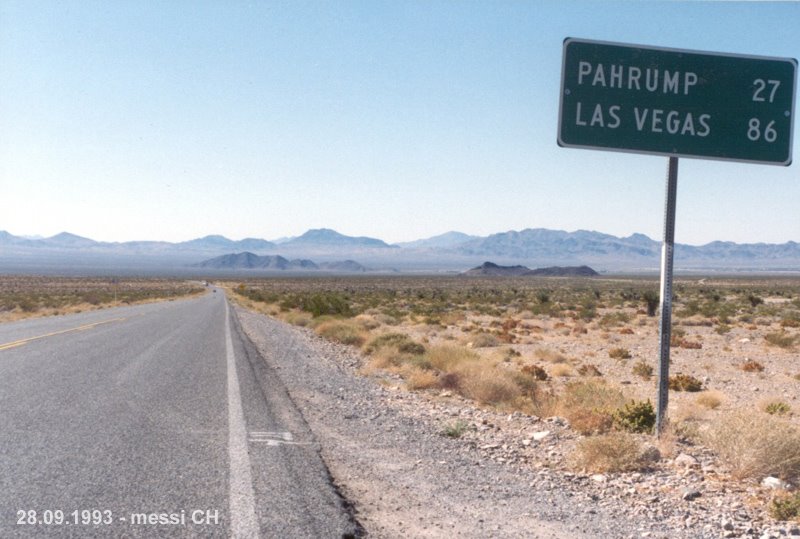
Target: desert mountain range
<point x="452" y="252"/>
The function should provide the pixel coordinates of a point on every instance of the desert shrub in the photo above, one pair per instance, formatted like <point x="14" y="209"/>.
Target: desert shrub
<point x="754" y="300"/>
<point x="527" y="384"/>
<point x="614" y="319"/>
<point x="326" y="303"/>
<point x="619" y="353"/>
<point x="456" y="429"/>
<point x="449" y="380"/>
<point x="685" y="382"/>
<point x="780" y="339"/>
<point x="536" y="372"/>
<point x="587" y="369"/>
<point x="776" y="407"/>
<point x="635" y="416"/>
<point x="485" y="340"/>
<point x="709" y="399"/>
<point x="752" y="365"/>
<point x="386" y="319"/>
<point x="341" y="331"/>
<point x="588" y="405"/>
<point x="690" y="345"/>
<point x="722" y="329"/>
<point x="401" y="341"/>
<point x="612" y="452"/>
<point x="642" y="370"/>
<point x="791" y="320"/>
<point x="754" y="445"/>
<point x="652" y="300"/>
<point x="785" y="506"/>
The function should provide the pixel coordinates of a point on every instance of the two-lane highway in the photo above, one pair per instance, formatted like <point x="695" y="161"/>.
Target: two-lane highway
<point x="151" y="421"/>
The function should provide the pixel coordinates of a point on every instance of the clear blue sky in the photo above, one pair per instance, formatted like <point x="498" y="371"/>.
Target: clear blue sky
<point x="127" y="119"/>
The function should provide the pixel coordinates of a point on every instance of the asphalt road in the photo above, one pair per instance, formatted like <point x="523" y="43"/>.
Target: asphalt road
<point x="157" y="420"/>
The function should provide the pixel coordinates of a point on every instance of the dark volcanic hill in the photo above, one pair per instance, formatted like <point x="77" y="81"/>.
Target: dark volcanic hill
<point x="250" y="261"/>
<point x="489" y="269"/>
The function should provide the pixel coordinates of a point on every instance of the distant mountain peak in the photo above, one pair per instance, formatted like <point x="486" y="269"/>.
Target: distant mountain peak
<point x="327" y="237"/>
<point x="441" y="241"/>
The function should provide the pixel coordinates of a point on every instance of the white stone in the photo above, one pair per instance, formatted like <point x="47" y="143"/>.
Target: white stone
<point x="686" y="461"/>
<point x="773" y="482"/>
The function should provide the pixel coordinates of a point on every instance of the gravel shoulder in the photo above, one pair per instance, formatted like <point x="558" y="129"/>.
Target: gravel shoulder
<point x="387" y="454"/>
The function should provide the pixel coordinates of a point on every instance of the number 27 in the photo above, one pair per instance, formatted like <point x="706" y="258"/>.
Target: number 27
<point x="761" y="86"/>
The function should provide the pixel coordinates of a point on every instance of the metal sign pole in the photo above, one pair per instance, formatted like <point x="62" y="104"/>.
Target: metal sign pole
<point x="665" y="331"/>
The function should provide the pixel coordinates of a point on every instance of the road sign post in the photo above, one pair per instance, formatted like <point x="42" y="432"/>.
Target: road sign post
<point x="665" y="325"/>
<point x="675" y="103"/>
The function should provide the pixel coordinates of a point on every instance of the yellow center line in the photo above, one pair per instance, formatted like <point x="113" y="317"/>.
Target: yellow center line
<point x="22" y="342"/>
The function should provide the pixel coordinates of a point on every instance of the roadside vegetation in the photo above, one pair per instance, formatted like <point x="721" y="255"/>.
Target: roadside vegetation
<point x="33" y="296"/>
<point x="584" y="350"/>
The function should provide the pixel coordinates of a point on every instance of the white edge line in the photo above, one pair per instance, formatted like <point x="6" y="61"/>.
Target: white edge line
<point x="240" y="492"/>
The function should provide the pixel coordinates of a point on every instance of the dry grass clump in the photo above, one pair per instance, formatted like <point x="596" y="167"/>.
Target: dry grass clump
<point x="485" y="381"/>
<point x="781" y="339"/>
<point x="561" y="370"/>
<point x="487" y="384"/>
<point x="446" y="358"/>
<point x="619" y="353"/>
<point x="588" y="369"/>
<point x="417" y="378"/>
<point x="754" y="445"/>
<point x="589" y="405"/>
<point x="367" y="321"/>
<point x="642" y="370"/>
<point x="485" y="340"/>
<point x="342" y="331"/>
<point x="612" y="452"/>
<point x="711" y="399"/>
<point x="549" y="355"/>
<point x="298" y="318"/>
<point x="685" y="382"/>
<point x="536" y="372"/>
<point x="402" y="342"/>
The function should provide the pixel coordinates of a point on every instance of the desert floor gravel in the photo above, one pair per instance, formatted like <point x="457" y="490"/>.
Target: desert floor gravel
<point x="503" y="477"/>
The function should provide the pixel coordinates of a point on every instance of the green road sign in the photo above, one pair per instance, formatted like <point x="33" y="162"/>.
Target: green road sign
<point x="677" y="103"/>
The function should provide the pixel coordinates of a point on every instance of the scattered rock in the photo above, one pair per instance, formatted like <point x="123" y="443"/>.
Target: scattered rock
<point x="691" y="494"/>
<point x="686" y="461"/>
